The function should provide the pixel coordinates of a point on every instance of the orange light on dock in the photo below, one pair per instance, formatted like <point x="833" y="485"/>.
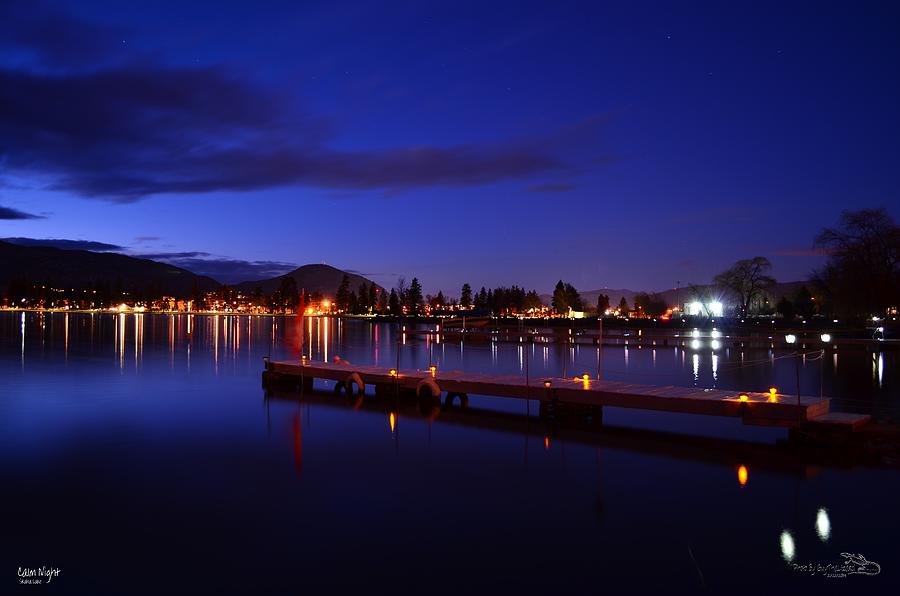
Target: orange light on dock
<point x="773" y="394"/>
<point x="303" y="360"/>
<point x="393" y="420"/>
<point x="547" y="383"/>
<point x="742" y="475"/>
<point x="744" y="397"/>
<point x="433" y="370"/>
<point x="393" y="372"/>
<point x="586" y="377"/>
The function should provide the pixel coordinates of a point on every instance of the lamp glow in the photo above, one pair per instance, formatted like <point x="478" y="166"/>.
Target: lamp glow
<point x="823" y="525"/>
<point x="742" y="475"/>
<point x="790" y="338"/>
<point x="787" y="546"/>
<point x="744" y="397"/>
<point x="825" y="337"/>
<point x="393" y="372"/>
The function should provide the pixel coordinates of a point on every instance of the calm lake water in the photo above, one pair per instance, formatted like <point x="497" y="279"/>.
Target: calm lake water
<point x="140" y="453"/>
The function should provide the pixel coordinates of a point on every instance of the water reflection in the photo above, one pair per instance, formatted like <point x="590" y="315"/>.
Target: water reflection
<point x="787" y="546"/>
<point x="823" y="524"/>
<point x="865" y="377"/>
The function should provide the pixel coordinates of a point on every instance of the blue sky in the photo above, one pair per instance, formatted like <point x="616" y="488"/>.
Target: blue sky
<point x="495" y="143"/>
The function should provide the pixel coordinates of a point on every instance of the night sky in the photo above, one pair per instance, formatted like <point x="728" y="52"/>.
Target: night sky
<point x="610" y="144"/>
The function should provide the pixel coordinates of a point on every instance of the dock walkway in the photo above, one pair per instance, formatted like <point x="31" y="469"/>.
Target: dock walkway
<point x="763" y="409"/>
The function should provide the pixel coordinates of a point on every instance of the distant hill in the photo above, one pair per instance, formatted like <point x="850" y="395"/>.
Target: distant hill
<point x="81" y="268"/>
<point x="323" y="279"/>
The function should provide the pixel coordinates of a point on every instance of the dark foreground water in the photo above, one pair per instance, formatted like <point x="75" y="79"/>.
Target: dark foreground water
<point x="139" y="454"/>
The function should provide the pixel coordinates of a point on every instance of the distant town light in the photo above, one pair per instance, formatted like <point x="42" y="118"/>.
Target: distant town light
<point x="715" y="344"/>
<point x="790" y="338"/>
<point x="716" y="333"/>
<point x="826" y="338"/>
<point x="547" y="383"/>
<point x="744" y="397"/>
<point x="695" y="333"/>
<point x="393" y="372"/>
<point x="742" y="475"/>
<point x="586" y="377"/>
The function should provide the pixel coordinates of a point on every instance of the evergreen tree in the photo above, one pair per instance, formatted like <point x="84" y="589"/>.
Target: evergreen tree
<point x="785" y="308"/>
<point x="602" y="304"/>
<point x="414" y="298"/>
<point x="465" y="296"/>
<point x="342" y="295"/>
<point x="373" y="296"/>
<point x="362" y="299"/>
<point x="383" y="302"/>
<point x="804" y="304"/>
<point x="394" y="303"/>
<point x="623" y="306"/>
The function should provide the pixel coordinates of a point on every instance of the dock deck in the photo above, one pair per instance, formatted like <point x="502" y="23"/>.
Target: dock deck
<point x="754" y="408"/>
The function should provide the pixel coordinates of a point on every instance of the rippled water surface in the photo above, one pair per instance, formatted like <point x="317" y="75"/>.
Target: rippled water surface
<point x="140" y="453"/>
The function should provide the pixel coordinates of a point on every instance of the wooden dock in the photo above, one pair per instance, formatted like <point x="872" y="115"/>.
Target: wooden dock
<point x="587" y="395"/>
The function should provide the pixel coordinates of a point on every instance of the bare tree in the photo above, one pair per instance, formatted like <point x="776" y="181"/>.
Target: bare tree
<point x="747" y="279"/>
<point x="862" y="275"/>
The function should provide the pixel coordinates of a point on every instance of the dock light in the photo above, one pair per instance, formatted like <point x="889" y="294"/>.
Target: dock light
<point x="393" y="372"/>
<point x="826" y="338"/>
<point x="585" y="377"/>
<point x="303" y="360"/>
<point x="773" y="393"/>
<point x="744" y="397"/>
<point x="695" y="333"/>
<point x="790" y="338"/>
<point x="695" y="344"/>
<point x="433" y="369"/>
<point x="547" y="383"/>
<point x="742" y="475"/>
<point x="716" y="333"/>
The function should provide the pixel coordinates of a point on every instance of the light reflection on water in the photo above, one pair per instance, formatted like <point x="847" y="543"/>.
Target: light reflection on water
<point x="105" y="415"/>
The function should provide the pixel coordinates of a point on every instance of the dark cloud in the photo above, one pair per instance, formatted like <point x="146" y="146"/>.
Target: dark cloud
<point x="128" y="129"/>
<point x="551" y="188"/>
<point x="10" y="213"/>
<point x="803" y="252"/>
<point x="64" y="244"/>
<point x="35" y="34"/>
<point x="224" y="270"/>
